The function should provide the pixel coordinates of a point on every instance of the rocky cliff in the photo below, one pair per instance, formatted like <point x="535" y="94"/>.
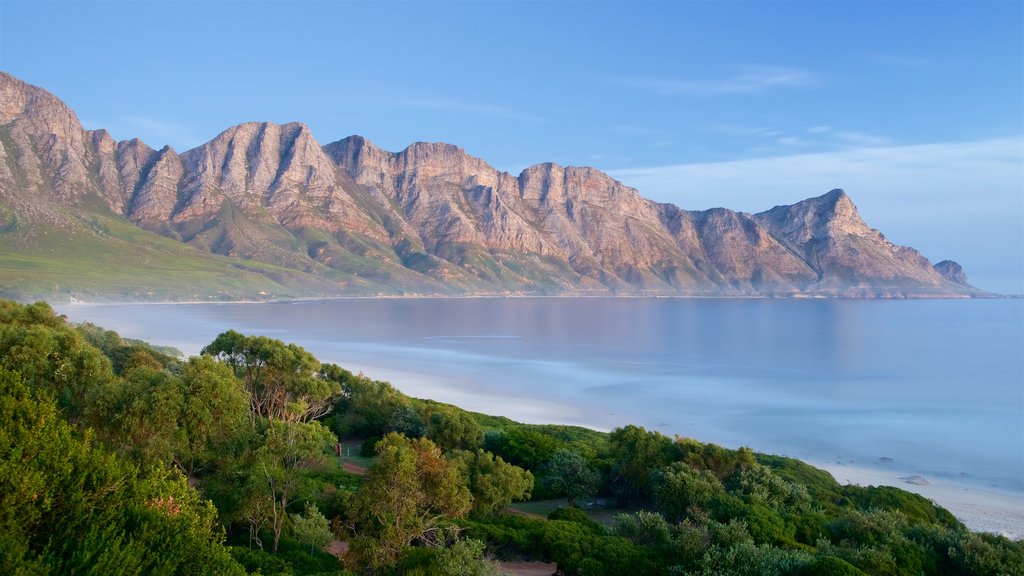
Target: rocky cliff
<point x="350" y="218"/>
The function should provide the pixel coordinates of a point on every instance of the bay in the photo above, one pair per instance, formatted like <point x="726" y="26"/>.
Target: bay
<point x="923" y="387"/>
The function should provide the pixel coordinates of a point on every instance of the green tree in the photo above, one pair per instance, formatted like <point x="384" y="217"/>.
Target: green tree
<point x="68" y="506"/>
<point x="213" y="416"/>
<point x="365" y="407"/>
<point x="138" y="414"/>
<point x="464" y="558"/>
<point x="493" y="482"/>
<point x="405" y="495"/>
<point x="680" y="491"/>
<point x="407" y="421"/>
<point x="284" y="381"/>
<point x="312" y="528"/>
<point x="643" y="528"/>
<point x="568" y="474"/>
<point x="280" y="470"/>
<point x="49" y="355"/>
<point x="637" y="452"/>
<point x="454" y="429"/>
<point x="524" y="446"/>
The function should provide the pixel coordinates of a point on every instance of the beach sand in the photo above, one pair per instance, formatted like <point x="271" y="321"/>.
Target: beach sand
<point x="981" y="509"/>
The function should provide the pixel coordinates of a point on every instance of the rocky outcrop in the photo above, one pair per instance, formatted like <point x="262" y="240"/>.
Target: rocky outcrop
<point x="434" y="219"/>
<point x="952" y="271"/>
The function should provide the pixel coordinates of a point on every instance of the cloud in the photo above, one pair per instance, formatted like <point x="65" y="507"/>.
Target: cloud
<point x="958" y="200"/>
<point x="470" y="108"/>
<point x="747" y="80"/>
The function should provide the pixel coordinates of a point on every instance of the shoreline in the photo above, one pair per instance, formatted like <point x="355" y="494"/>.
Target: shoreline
<point x="525" y="295"/>
<point x="978" y="507"/>
<point x="981" y="509"/>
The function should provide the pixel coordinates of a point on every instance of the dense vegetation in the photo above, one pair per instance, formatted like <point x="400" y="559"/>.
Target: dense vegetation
<point x="120" y="458"/>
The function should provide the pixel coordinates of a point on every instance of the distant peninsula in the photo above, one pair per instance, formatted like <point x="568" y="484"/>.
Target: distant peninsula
<point x="263" y="211"/>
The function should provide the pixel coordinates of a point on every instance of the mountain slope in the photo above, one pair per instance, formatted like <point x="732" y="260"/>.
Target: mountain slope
<point x="265" y="208"/>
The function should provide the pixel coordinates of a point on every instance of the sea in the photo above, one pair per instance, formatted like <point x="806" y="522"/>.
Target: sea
<point x="933" y="389"/>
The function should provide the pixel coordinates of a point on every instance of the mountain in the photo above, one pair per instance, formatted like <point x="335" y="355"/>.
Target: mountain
<point x="263" y="210"/>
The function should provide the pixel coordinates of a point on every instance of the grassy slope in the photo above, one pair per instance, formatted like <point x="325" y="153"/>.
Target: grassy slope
<point x="105" y="256"/>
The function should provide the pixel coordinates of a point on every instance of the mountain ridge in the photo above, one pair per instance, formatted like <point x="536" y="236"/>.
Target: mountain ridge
<point x="349" y="218"/>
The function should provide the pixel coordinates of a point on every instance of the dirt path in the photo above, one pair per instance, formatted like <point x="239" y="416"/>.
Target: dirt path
<point x="528" y="568"/>
<point x="353" y="468"/>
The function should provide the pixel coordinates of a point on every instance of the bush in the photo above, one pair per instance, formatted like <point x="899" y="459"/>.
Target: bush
<point x="574" y="514"/>
<point x="368" y="449"/>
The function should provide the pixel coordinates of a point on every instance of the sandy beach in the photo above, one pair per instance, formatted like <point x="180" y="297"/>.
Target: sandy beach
<point x="980" y="509"/>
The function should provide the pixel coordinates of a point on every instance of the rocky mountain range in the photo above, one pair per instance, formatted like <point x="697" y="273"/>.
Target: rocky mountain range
<point x="264" y="210"/>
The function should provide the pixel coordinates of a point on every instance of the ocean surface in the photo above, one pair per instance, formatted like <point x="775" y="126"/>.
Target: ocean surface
<point x="925" y="387"/>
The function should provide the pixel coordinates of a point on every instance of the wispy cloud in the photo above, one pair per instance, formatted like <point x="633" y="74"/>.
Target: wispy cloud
<point x="959" y="200"/>
<point x="463" y="107"/>
<point x="814" y="138"/>
<point x="745" y="80"/>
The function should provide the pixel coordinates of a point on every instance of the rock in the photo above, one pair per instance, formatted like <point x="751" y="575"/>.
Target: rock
<point x="434" y="219"/>
<point x="952" y="271"/>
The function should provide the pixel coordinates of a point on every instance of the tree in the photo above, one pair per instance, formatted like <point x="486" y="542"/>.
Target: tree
<point x="453" y="429"/>
<point x="365" y="407"/>
<point x="280" y="467"/>
<point x="49" y="355"/>
<point x="524" y="446"/>
<point x="213" y="414"/>
<point x="493" y="482"/>
<point x="680" y="491"/>
<point x="407" y="420"/>
<point x="284" y="381"/>
<point x="464" y="558"/>
<point x="637" y="452"/>
<point x="68" y="506"/>
<point x="138" y="414"/>
<point x="568" y="474"/>
<point x="405" y="495"/>
<point x="643" y="528"/>
<point x="312" y="528"/>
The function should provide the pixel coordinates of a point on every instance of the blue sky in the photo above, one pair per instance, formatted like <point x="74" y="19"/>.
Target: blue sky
<point x="915" y="108"/>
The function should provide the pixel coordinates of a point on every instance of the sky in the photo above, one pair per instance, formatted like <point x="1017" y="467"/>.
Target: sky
<point x="915" y="108"/>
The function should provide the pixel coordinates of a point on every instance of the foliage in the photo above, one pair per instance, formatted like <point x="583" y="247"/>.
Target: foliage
<point x="405" y="496"/>
<point x="464" y="557"/>
<point x="681" y="491"/>
<point x="312" y="528"/>
<point x="523" y="446"/>
<point x="49" y="355"/>
<point x="574" y="514"/>
<point x="643" y="528"/>
<point x="68" y="506"/>
<point x="279" y="470"/>
<point x="110" y="500"/>
<point x="365" y="407"/>
<point x="568" y="474"/>
<point x="637" y="452"/>
<point x="493" y="483"/>
<point x="407" y="421"/>
<point x="453" y="429"/>
<point x="121" y="351"/>
<point x="284" y="382"/>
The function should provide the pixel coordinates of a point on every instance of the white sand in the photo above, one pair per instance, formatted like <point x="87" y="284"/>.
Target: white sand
<point x="980" y="509"/>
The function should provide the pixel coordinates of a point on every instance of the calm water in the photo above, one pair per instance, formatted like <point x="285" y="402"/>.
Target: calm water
<point x="936" y="386"/>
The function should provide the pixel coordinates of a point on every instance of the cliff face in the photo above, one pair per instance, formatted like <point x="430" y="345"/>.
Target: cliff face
<point x="431" y="218"/>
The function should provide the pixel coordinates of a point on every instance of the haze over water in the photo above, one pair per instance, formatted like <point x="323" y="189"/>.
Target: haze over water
<point x="937" y="386"/>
